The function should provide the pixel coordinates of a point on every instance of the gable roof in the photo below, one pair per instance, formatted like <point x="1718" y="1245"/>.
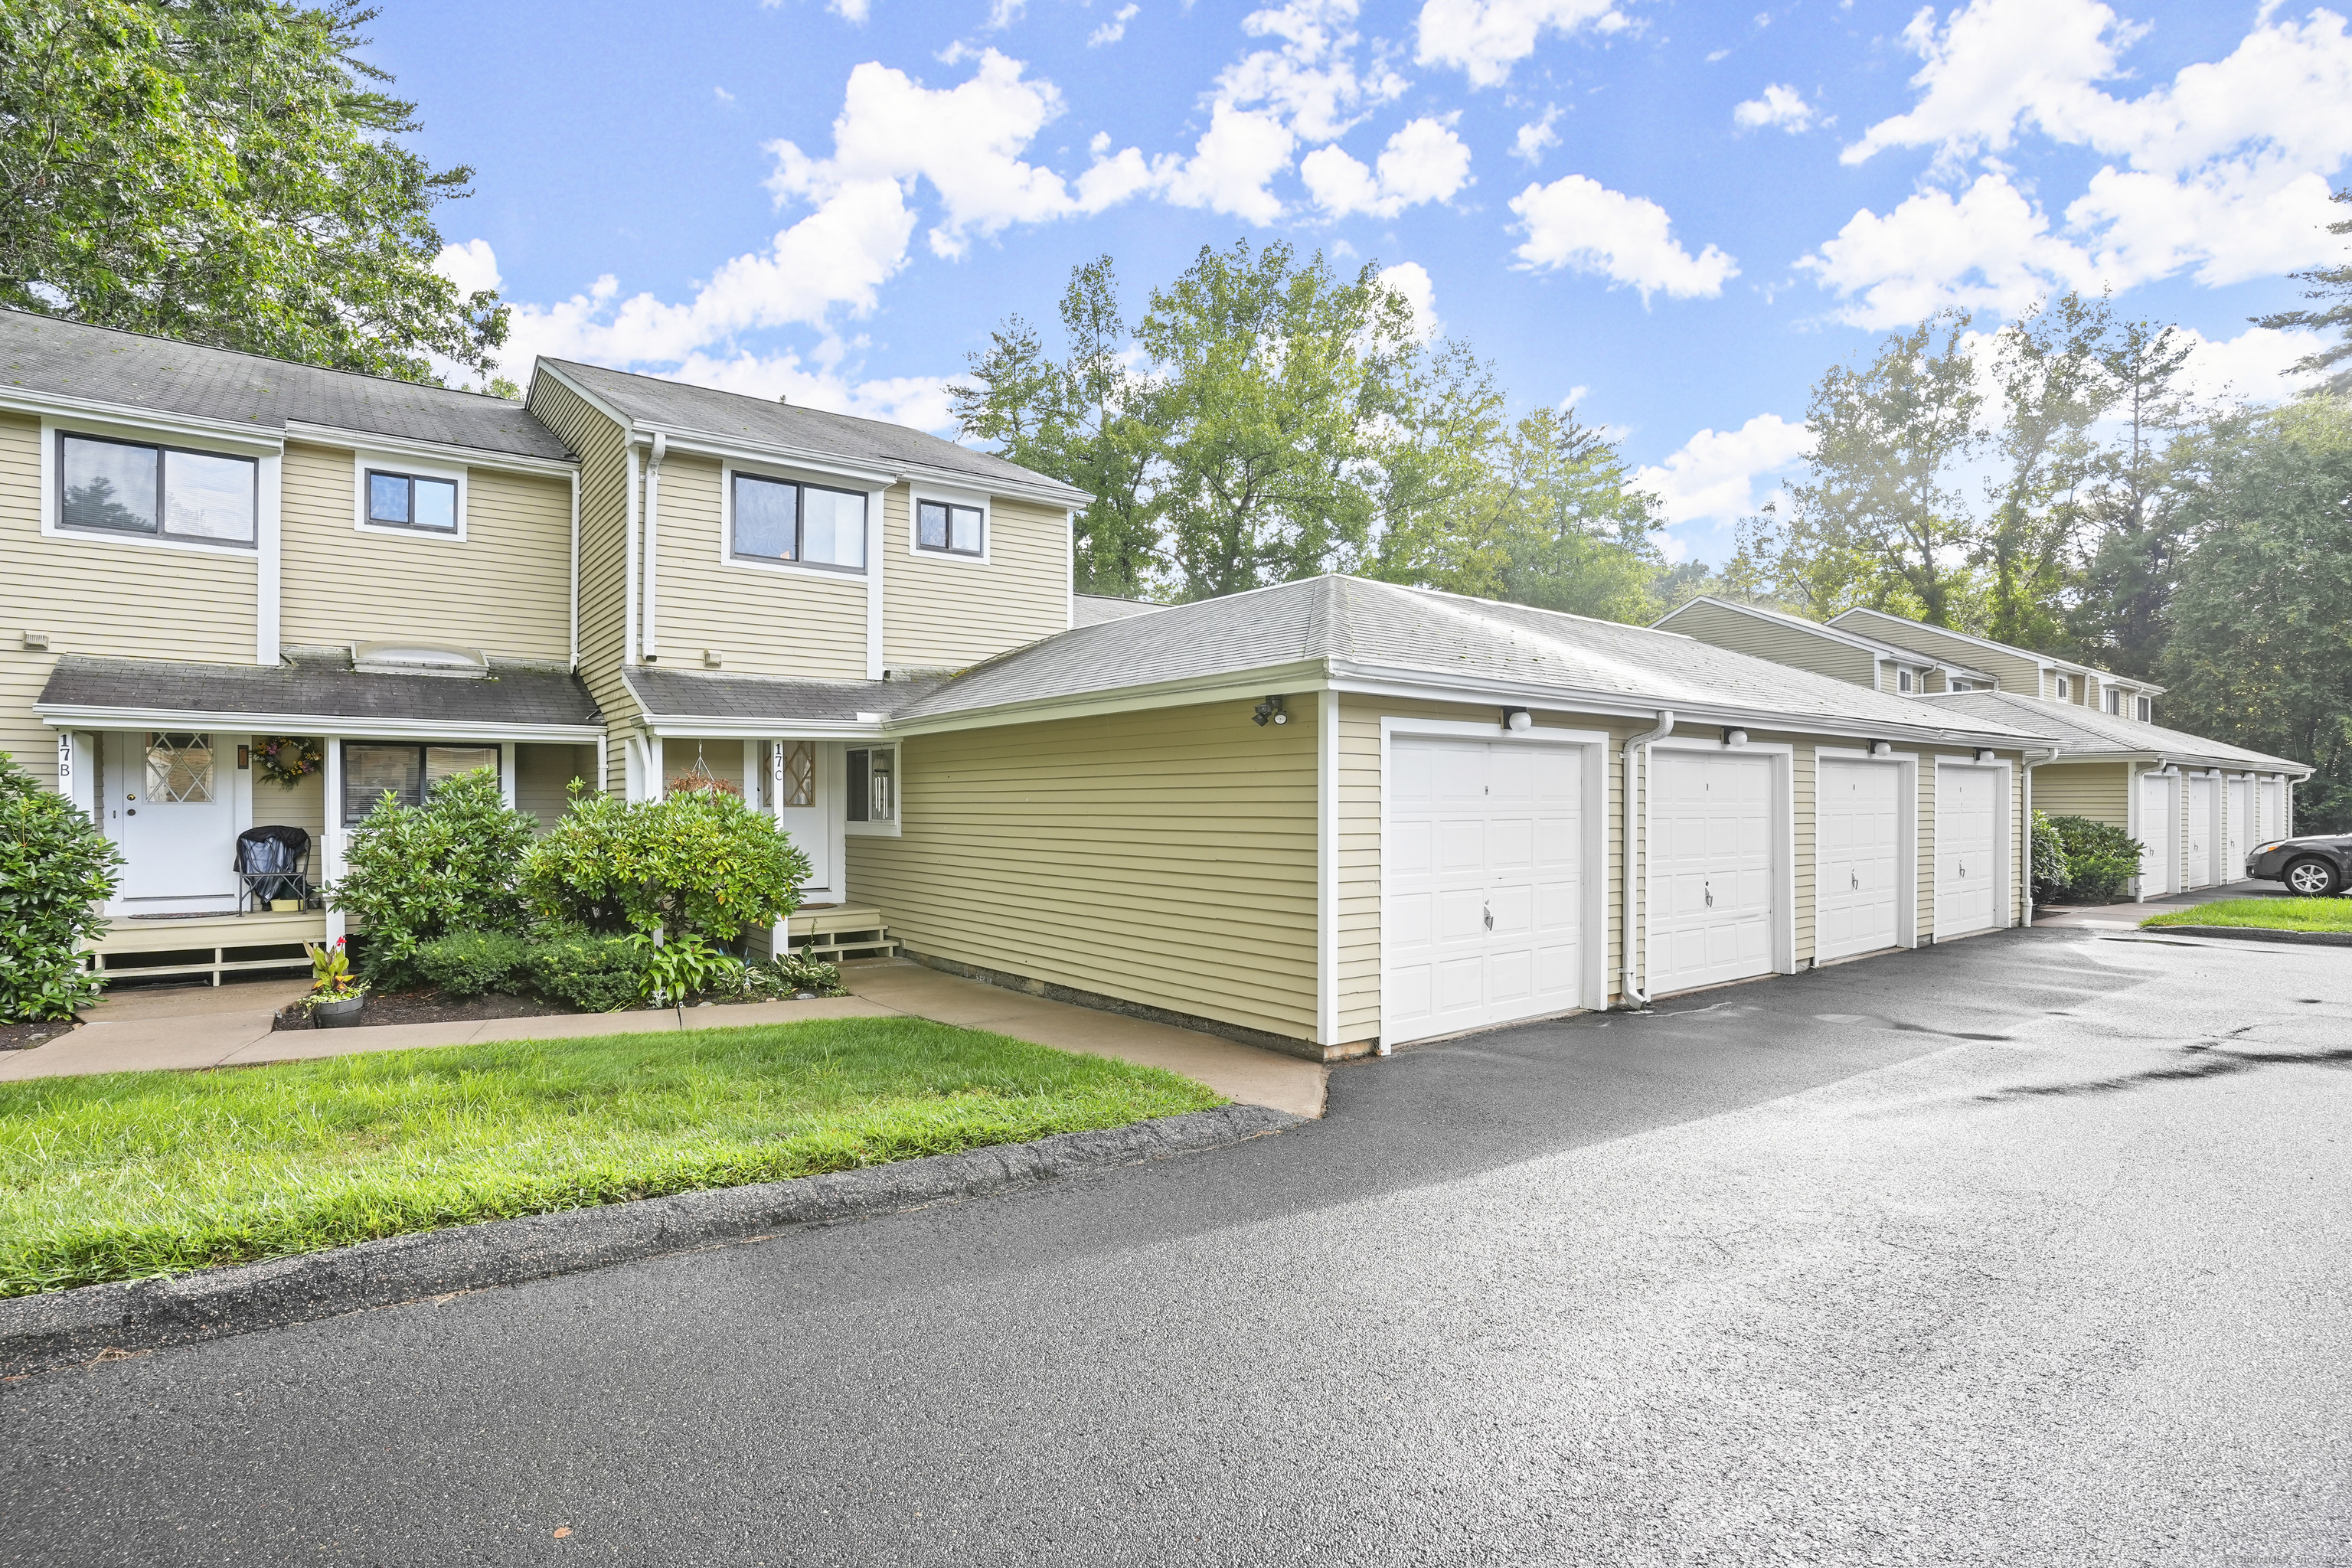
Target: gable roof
<point x="2087" y="733"/>
<point x="115" y="369"/>
<point x="765" y="421"/>
<point x="1093" y="609"/>
<point x="1875" y="617"/>
<point x="1836" y="633"/>
<point x="1350" y="627"/>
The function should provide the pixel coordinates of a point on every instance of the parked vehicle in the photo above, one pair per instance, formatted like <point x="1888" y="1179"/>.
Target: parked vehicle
<point x="2313" y="866"/>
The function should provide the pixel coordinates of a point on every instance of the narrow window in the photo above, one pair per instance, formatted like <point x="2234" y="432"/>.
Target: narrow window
<point x="408" y="773"/>
<point x="776" y="520"/>
<point x="946" y="528"/>
<point x="127" y="486"/>
<point x="1902" y="680"/>
<point x="799" y="774"/>
<point x="2065" y="690"/>
<point x="873" y="780"/>
<point x="2147" y="709"/>
<point x="412" y="500"/>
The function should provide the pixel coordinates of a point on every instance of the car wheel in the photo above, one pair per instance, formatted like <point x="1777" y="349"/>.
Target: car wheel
<point x="2313" y="878"/>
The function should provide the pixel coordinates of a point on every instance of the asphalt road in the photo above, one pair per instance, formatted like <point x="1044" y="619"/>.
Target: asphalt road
<point x="2030" y="1249"/>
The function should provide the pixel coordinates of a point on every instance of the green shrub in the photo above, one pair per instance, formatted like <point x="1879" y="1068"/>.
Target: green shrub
<point x="700" y="862"/>
<point x="55" y="869"/>
<point x="682" y="968"/>
<point x="581" y="969"/>
<point x="789" y="976"/>
<point x="2101" y="859"/>
<point x="415" y="873"/>
<point x="2049" y="860"/>
<point x="470" y="963"/>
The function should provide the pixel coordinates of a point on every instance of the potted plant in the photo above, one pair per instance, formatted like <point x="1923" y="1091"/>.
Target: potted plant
<point x="335" y="998"/>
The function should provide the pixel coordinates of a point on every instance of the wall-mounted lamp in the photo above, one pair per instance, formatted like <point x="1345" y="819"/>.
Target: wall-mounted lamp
<point x="1732" y="737"/>
<point x="1269" y="712"/>
<point x="1518" y="720"/>
<point x="1984" y="753"/>
<point x="1882" y="748"/>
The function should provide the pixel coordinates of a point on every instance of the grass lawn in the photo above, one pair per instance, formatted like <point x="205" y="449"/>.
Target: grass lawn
<point x="132" y="1174"/>
<point x="2277" y="914"/>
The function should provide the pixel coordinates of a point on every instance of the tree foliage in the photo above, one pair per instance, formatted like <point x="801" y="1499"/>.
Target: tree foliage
<point x="413" y="873"/>
<point x="57" y="870"/>
<point x="2331" y="283"/>
<point x="228" y="173"/>
<point x="697" y="861"/>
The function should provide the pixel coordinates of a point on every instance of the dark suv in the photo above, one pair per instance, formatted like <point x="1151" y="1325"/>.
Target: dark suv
<point x="2313" y="866"/>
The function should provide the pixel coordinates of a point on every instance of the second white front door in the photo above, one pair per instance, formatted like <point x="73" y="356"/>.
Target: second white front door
<point x="1860" y="823"/>
<point x="170" y="802"/>
<point x="1482" y="921"/>
<point x="805" y="781"/>
<point x="1711" y="867"/>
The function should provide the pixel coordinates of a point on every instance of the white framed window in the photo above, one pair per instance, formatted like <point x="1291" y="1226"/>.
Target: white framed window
<point x="2065" y="690"/>
<point x="1902" y="680"/>
<point x="949" y="525"/>
<point x="401" y="497"/>
<point x="110" y="485"/>
<point x="2145" y="710"/>
<point x="872" y="805"/>
<point x="408" y="772"/>
<point x="777" y="522"/>
<point x="2114" y="702"/>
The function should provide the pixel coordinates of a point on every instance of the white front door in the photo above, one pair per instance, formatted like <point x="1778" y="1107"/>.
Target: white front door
<point x="805" y="779"/>
<point x="2159" y="833"/>
<point x="2199" y="870"/>
<point x="2235" y="825"/>
<point x="1860" y="823"/>
<point x="1484" y="888"/>
<point x="1711" y="864"/>
<point x="1967" y="849"/>
<point x="171" y="801"/>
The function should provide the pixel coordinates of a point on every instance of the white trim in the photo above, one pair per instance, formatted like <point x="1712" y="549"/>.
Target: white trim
<point x="268" y="530"/>
<point x="2005" y="840"/>
<point x="1592" y="913"/>
<point x="331" y="832"/>
<point x="1069" y="568"/>
<point x="242" y="445"/>
<point x="409" y="449"/>
<point x="506" y="773"/>
<point x="82" y="412"/>
<point x="61" y="716"/>
<point x="649" y="647"/>
<point x="891" y="829"/>
<point x="758" y="728"/>
<point x="575" y="570"/>
<point x="778" y="473"/>
<point x="629" y="561"/>
<point x="1327" y="869"/>
<point x="1907" y="836"/>
<point x="1783" y="755"/>
<point x="844" y="475"/>
<point x="877" y="604"/>
<point x="541" y="367"/>
<point x="703" y="444"/>
<point x="947" y="495"/>
<point x="390" y="462"/>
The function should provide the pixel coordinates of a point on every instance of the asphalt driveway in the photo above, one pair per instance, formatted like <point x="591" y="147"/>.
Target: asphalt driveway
<point x="2025" y="1249"/>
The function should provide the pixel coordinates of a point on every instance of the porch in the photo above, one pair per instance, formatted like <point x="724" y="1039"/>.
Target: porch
<point x="161" y="947"/>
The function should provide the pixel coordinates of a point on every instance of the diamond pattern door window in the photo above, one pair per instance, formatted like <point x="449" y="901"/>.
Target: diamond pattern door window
<point x="800" y="774"/>
<point x="179" y="768"/>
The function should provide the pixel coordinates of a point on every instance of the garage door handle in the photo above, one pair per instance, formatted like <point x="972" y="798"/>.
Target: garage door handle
<point x="1709" y="887"/>
<point x="1854" y="879"/>
<point x="1490" y="917"/>
<point x="1964" y="868"/>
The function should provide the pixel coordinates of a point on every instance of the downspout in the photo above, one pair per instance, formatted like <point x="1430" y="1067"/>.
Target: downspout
<point x="629" y="565"/>
<point x="651" y="651"/>
<point x="575" y="586"/>
<point x="2027" y="762"/>
<point x="1629" y="995"/>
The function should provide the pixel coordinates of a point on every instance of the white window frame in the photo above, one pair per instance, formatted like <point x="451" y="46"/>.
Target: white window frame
<point x="264" y="458"/>
<point x="1907" y="833"/>
<point x="2144" y="709"/>
<point x="393" y="463"/>
<point x="792" y="474"/>
<point x="919" y="493"/>
<point x="891" y="829"/>
<point x="2065" y="688"/>
<point x="1906" y="682"/>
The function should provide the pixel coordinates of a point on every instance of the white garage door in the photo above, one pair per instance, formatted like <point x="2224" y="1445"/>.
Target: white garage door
<point x="1860" y="823"/>
<point x="2234" y="842"/>
<point x="1967" y="850"/>
<point x="1481" y="924"/>
<point x="2198" y="872"/>
<point x="2159" y="833"/>
<point x="2270" y="811"/>
<point x="1711" y="837"/>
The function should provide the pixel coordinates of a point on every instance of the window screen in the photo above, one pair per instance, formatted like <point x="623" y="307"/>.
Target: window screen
<point x="413" y="500"/>
<point x="873" y="784"/>
<point x="776" y="519"/>
<point x="408" y="773"/>
<point x="124" y="487"/>
<point x="942" y="526"/>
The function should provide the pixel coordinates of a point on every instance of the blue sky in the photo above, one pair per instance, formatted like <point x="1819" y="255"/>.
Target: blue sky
<point x="1676" y="215"/>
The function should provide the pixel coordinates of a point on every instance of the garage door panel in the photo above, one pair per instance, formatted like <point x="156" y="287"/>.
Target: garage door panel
<point x="1858" y="823"/>
<point x="1501" y="822"/>
<point x="1712" y="868"/>
<point x="1969" y="870"/>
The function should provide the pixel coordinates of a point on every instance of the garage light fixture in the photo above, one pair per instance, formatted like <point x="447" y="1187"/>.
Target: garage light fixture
<point x="1269" y="712"/>
<point x="1735" y="737"/>
<point x="1882" y="748"/>
<point x="1984" y="753"/>
<point x="1518" y="720"/>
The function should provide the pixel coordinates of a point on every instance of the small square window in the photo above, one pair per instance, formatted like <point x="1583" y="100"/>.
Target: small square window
<point x="1902" y="680"/>
<point x="2146" y="710"/>
<point x="946" y="528"/>
<point x="873" y="784"/>
<point x="2065" y="690"/>
<point x="412" y="500"/>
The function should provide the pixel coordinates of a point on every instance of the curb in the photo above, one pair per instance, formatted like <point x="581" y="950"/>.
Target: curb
<point x="2257" y="933"/>
<point x="64" y="1328"/>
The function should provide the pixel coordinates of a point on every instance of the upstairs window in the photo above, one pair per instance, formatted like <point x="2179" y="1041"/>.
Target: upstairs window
<point x="165" y="492"/>
<point x="2065" y="690"/>
<point x="2114" y="702"/>
<point x="946" y="529"/>
<point x="2145" y="710"/>
<point x="1903" y="681"/>
<point x="806" y="525"/>
<point x="412" y="500"/>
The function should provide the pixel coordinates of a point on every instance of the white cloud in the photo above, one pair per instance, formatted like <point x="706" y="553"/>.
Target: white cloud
<point x="1990" y="249"/>
<point x="1714" y="473"/>
<point x="1536" y="135"/>
<point x="2255" y="365"/>
<point x="1998" y="62"/>
<point x="1412" y="279"/>
<point x="1232" y="166"/>
<point x="1580" y="222"/>
<point x="471" y="265"/>
<point x="1486" y="38"/>
<point x="1003" y="14"/>
<point x="1112" y="31"/>
<point x="722" y="95"/>
<point x="851" y="10"/>
<point x="1783" y="106"/>
<point x="1424" y="161"/>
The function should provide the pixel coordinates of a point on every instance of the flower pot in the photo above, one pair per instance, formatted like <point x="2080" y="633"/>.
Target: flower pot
<point x="342" y="1014"/>
<point x="285" y="906"/>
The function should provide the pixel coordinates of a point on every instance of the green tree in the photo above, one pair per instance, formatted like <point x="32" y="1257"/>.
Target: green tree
<point x="417" y="872"/>
<point x="2053" y="377"/>
<point x="2261" y="648"/>
<point x="229" y="173"/>
<point x="57" y="871"/>
<point x="2117" y="619"/>
<point x="2330" y="283"/>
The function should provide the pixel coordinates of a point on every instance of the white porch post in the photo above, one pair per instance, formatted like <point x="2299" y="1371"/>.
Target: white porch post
<point x="506" y="772"/>
<point x="331" y="837"/>
<point x="779" y="937"/>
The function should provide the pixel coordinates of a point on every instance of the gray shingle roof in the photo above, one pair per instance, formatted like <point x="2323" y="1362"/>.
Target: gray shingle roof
<point x="1349" y="621"/>
<point x="321" y="689"/>
<point x="1798" y="623"/>
<point x="762" y="421"/>
<point x="1095" y="609"/>
<point x="2087" y="732"/>
<point x="42" y="353"/>
<point x="673" y="694"/>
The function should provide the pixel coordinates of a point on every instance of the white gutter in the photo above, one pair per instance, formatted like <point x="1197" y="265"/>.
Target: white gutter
<point x="76" y="716"/>
<point x="1636" y="748"/>
<point x="651" y="648"/>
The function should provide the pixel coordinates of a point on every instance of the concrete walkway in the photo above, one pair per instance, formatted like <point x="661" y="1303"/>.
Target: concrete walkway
<point x="193" y="1027"/>
<point x="2127" y="917"/>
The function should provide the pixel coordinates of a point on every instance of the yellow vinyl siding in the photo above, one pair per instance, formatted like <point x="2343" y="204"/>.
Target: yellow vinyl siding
<point x="760" y="620"/>
<point x="91" y="596"/>
<point x="2096" y="790"/>
<point x="2012" y="671"/>
<point x="301" y="804"/>
<point x="722" y="758"/>
<point x="944" y="613"/>
<point x="1166" y="858"/>
<point x="603" y="528"/>
<point x="1759" y="639"/>
<point x="543" y="775"/>
<point x="504" y="588"/>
